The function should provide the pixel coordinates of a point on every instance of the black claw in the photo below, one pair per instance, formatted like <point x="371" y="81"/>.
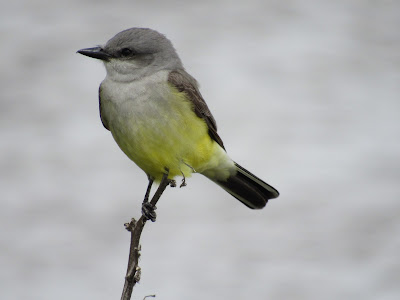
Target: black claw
<point x="183" y="182"/>
<point x="148" y="211"/>
<point x="172" y="183"/>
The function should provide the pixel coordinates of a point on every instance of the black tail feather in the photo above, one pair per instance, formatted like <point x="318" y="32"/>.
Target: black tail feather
<point x="248" y="188"/>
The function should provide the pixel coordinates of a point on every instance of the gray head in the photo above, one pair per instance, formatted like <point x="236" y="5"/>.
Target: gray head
<point x="135" y="53"/>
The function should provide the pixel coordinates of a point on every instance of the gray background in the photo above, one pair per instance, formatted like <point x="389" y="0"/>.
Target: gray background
<point x="313" y="94"/>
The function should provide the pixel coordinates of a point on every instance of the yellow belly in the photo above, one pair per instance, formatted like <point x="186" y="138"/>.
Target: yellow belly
<point x="166" y="136"/>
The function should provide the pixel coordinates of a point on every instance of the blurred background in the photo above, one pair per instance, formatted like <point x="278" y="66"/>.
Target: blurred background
<point x="313" y="90"/>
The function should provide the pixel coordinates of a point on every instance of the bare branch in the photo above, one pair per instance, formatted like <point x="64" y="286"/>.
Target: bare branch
<point x="136" y="227"/>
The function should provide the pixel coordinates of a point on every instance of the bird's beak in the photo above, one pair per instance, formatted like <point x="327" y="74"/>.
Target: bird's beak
<point x="95" y="52"/>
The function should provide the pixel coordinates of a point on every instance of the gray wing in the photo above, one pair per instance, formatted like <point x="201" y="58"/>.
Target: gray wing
<point x="185" y="83"/>
<point x="103" y="120"/>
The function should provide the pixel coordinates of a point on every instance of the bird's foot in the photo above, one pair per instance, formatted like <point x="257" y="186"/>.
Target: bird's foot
<point x="172" y="183"/>
<point x="148" y="211"/>
<point x="183" y="182"/>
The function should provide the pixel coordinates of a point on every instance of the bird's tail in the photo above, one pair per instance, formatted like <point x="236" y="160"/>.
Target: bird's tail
<point x="248" y="188"/>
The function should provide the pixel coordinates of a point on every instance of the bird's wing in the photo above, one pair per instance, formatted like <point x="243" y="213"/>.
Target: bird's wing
<point x="185" y="83"/>
<point x="103" y="120"/>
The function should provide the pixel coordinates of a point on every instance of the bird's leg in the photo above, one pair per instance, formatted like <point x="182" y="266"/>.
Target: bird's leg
<point x="148" y="208"/>
<point x="183" y="175"/>
<point x="146" y="197"/>
<point x="193" y="170"/>
<point x="183" y="180"/>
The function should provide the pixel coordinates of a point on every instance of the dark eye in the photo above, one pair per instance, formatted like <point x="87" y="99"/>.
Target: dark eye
<point x="126" y="52"/>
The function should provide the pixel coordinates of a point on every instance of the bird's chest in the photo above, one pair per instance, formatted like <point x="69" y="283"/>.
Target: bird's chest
<point x="149" y="111"/>
<point x="136" y="105"/>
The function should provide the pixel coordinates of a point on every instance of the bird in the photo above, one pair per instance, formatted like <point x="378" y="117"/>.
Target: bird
<point x="159" y="119"/>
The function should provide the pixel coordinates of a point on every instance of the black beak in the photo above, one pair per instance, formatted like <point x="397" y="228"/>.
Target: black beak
<point x="95" y="52"/>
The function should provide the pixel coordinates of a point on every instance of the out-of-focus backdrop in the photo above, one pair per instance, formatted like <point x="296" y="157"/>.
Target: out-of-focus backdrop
<point x="313" y="90"/>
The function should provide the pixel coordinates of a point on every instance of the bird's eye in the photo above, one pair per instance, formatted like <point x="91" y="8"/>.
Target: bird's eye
<point x="126" y="52"/>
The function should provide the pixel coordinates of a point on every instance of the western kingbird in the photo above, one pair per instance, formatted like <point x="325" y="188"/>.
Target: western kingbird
<point x="159" y="119"/>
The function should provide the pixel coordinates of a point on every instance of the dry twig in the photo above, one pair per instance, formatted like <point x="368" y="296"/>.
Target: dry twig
<point x="135" y="228"/>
